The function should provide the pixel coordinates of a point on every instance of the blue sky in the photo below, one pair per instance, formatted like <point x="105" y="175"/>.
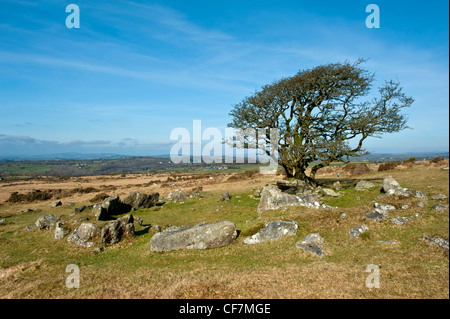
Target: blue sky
<point x="134" y="71"/>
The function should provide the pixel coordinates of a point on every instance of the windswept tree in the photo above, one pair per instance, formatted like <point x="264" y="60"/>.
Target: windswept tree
<point x="323" y="115"/>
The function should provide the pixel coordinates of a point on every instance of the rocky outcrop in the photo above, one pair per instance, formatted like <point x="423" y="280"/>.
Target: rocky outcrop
<point x="109" y="207"/>
<point x="46" y="222"/>
<point x="82" y="235"/>
<point x="115" y="230"/>
<point x="201" y="236"/>
<point x="273" y="231"/>
<point x="138" y="200"/>
<point x="389" y="183"/>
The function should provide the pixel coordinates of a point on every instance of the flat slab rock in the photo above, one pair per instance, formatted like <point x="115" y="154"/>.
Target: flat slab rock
<point x="376" y="214"/>
<point x="441" y="242"/>
<point x="273" y="231"/>
<point x="200" y="236"/>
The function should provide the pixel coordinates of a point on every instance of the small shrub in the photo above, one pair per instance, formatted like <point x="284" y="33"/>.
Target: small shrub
<point x="388" y="166"/>
<point x="35" y="195"/>
<point x="410" y="160"/>
<point x="437" y="160"/>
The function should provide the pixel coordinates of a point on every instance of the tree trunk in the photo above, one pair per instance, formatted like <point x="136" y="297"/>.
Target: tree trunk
<point x="299" y="173"/>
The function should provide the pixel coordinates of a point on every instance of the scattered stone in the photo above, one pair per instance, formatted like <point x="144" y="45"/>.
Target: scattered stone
<point x="273" y="231"/>
<point x="70" y="203"/>
<point x="358" y="230"/>
<point x="384" y="206"/>
<point x="406" y="206"/>
<point x="440" y="208"/>
<point x="115" y="230"/>
<point x="97" y="250"/>
<point x="313" y="248"/>
<point x="364" y="185"/>
<point x="420" y="204"/>
<point x="225" y="197"/>
<point x="3" y="221"/>
<point x="83" y="233"/>
<point x="313" y="238"/>
<point x="388" y="242"/>
<point x="197" y="237"/>
<point x="56" y="204"/>
<point x="439" y="196"/>
<point x="156" y="228"/>
<point x="342" y="216"/>
<point x="82" y="219"/>
<point x="400" y="220"/>
<point x="138" y="200"/>
<point x="60" y="232"/>
<point x="441" y="242"/>
<point x="376" y="214"/>
<point x="419" y="194"/>
<point x="46" y="222"/>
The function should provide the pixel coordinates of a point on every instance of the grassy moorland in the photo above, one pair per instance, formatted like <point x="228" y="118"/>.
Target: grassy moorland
<point x="33" y="263"/>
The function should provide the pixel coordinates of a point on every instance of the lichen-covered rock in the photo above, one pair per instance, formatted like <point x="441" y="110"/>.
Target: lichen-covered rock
<point x="441" y="242"/>
<point x="176" y="196"/>
<point x="311" y="243"/>
<point x="201" y="236"/>
<point x="273" y="231"/>
<point x="440" y="208"/>
<point x="46" y="221"/>
<point x="384" y="206"/>
<point x="389" y="183"/>
<point x="60" y="232"/>
<point x="376" y="214"/>
<point x="115" y="230"/>
<point x="110" y="206"/>
<point x="138" y="200"/>
<point x="364" y="185"/>
<point x="358" y="230"/>
<point x="82" y="235"/>
<point x="400" y="220"/>
<point x="273" y="198"/>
